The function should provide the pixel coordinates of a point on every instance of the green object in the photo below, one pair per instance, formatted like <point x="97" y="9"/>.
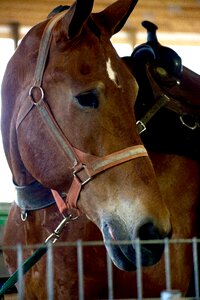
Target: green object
<point x="33" y="259"/>
<point x="4" y="211"/>
<point x="3" y="217"/>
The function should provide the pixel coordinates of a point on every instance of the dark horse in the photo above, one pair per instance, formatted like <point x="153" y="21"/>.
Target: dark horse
<point x="68" y="125"/>
<point x="168" y="113"/>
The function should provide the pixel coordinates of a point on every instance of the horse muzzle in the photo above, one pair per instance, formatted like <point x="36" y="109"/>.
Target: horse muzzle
<point x="121" y="243"/>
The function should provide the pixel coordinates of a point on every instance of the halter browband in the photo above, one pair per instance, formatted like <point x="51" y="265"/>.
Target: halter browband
<point x="84" y="165"/>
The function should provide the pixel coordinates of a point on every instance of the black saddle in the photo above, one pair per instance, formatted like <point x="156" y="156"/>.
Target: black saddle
<point x="167" y="107"/>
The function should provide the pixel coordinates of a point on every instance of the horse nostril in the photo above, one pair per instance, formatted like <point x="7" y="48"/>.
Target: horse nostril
<point x="149" y="232"/>
<point x="151" y="252"/>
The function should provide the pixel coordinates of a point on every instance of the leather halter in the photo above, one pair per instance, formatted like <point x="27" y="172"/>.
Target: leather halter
<point x="84" y="165"/>
<point x="167" y="100"/>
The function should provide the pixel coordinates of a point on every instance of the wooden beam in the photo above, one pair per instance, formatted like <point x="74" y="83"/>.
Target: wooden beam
<point x="170" y="16"/>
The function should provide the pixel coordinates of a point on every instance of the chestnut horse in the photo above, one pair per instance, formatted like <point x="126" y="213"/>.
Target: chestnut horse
<point x="168" y="110"/>
<point x="68" y="126"/>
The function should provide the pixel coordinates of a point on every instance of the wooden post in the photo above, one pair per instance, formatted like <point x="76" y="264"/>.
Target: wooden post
<point x="15" y="33"/>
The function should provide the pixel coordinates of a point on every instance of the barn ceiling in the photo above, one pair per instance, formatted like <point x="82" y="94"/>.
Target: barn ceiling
<point x="170" y="15"/>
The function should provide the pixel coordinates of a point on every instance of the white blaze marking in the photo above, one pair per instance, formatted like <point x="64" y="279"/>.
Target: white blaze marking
<point x="111" y="73"/>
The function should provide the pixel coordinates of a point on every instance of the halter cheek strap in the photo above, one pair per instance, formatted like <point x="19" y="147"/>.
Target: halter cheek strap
<point x="84" y="165"/>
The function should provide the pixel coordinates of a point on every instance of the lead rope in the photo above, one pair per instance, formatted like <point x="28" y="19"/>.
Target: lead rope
<point x="35" y="257"/>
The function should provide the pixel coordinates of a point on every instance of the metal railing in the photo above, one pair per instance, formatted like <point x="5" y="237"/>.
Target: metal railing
<point x="165" y="295"/>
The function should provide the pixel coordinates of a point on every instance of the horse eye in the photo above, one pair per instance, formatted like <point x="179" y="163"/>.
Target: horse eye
<point x="88" y="99"/>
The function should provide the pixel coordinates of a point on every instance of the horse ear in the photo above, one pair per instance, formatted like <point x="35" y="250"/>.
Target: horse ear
<point x="76" y="16"/>
<point x="116" y="15"/>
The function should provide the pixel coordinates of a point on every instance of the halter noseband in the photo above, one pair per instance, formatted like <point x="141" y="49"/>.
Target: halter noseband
<point x="84" y="165"/>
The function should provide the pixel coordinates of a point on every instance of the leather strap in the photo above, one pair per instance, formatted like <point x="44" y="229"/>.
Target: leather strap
<point x="91" y="166"/>
<point x="44" y="48"/>
<point x="141" y="124"/>
<point x="174" y="104"/>
<point x="56" y="132"/>
<point x="168" y="101"/>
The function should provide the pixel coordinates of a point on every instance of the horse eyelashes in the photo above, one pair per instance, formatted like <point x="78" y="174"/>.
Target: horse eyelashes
<point x="88" y="99"/>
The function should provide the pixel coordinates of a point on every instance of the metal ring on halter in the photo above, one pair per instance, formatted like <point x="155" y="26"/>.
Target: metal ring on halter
<point x="24" y="215"/>
<point x="196" y="124"/>
<point x="72" y="214"/>
<point x="41" y="93"/>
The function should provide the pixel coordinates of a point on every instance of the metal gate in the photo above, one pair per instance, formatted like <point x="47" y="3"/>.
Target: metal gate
<point x="167" y="294"/>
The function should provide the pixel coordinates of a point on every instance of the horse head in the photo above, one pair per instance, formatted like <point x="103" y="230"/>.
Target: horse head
<point x="88" y="94"/>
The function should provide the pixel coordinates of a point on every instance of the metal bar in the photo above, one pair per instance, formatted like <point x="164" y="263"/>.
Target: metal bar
<point x="196" y="267"/>
<point x="110" y="277"/>
<point x="20" y="273"/>
<point x="122" y="242"/>
<point x="139" y="269"/>
<point x="80" y="269"/>
<point x="50" y="273"/>
<point x="167" y="264"/>
<point x="138" y="245"/>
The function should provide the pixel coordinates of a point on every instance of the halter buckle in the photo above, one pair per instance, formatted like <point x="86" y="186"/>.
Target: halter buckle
<point x="83" y="177"/>
<point x="140" y="126"/>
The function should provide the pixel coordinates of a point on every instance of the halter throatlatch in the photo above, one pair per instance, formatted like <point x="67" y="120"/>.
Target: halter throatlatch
<point x="84" y="165"/>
